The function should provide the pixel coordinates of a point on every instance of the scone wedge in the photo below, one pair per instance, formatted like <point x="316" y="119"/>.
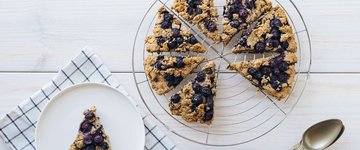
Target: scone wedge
<point x="91" y="134"/>
<point x="273" y="75"/>
<point x="166" y="72"/>
<point x="195" y="101"/>
<point x="169" y="34"/>
<point x="272" y="33"/>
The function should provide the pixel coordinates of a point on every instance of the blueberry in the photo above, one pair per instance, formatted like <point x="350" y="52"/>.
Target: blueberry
<point x="235" y="23"/>
<point x="275" y="33"/>
<point x="211" y="26"/>
<point x="257" y="75"/>
<point x="175" y="98"/>
<point x="275" y="23"/>
<point x="160" y="40"/>
<point x="228" y="15"/>
<point x="196" y="87"/>
<point x="283" y="66"/>
<point x="278" y="59"/>
<point x="180" y="62"/>
<point x="276" y="71"/>
<point x="176" y="81"/>
<point x="260" y="47"/>
<point x="105" y="146"/>
<point x="275" y="43"/>
<point x="273" y="79"/>
<point x="175" y="32"/>
<point x="192" y="39"/>
<point x="158" y="65"/>
<point x="265" y="70"/>
<point x="89" y="115"/>
<point x="208" y="71"/>
<point x="248" y="32"/>
<point x="283" y="77"/>
<point x="269" y="42"/>
<point x="243" y="13"/>
<point x="272" y="63"/>
<point x="160" y="57"/>
<point x="243" y="41"/>
<point x="232" y="9"/>
<point x="190" y="11"/>
<point x="168" y="17"/>
<point x="165" y="24"/>
<point x="88" y="139"/>
<point x="210" y="103"/>
<point x="251" y="71"/>
<point x="206" y="92"/>
<point x="198" y="10"/>
<point x="197" y="99"/>
<point x="285" y="45"/>
<point x="192" y="3"/>
<point x="274" y="85"/>
<point x="98" y="138"/>
<point x="179" y="40"/>
<point x="250" y="4"/>
<point x="200" y="77"/>
<point x="208" y="115"/>
<point x="172" y="43"/>
<point x="280" y="50"/>
<point x="85" y="127"/>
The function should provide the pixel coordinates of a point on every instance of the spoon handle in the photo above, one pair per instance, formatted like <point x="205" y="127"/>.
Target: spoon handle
<point x="297" y="147"/>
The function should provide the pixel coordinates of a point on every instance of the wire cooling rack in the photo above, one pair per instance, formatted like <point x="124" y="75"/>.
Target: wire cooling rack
<point x="242" y="113"/>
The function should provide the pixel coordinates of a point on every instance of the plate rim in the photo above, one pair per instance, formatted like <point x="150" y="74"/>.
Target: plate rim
<point x="132" y="103"/>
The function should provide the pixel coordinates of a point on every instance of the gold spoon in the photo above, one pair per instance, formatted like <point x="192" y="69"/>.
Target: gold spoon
<point x="321" y="135"/>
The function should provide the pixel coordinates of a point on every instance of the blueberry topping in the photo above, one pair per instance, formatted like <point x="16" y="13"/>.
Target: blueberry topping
<point x="275" y="33"/>
<point x="243" y="41"/>
<point x="180" y="62"/>
<point x="198" y="10"/>
<point x="206" y="92"/>
<point x="160" y="40"/>
<point x="172" y="80"/>
<point x="175" y="32"/>
<point x="179" y="40"/>
<point x="248" y="32"/>
<point x="210" y="25"/>
<point x="190" y="11"/>
<point x="196" y="87"/>
<point x="280" y="50"/>
<point x="105" y="146"/>
<point x="192" y="39"/>
<point x="88" y="139"/>
<point x="98" y="139"/>
<point x="192" y="3"/>
<point x="208" y="71"/>
<point x="260" y="47"/>
<point x="275" y="23"/>
<point x="208" y="115"/>
<point x="269" y="42"/>
<point x="209" y="104"/>
<point x="89" y="115"/>
<point x="85" y="127"/>
<point x="285" y="45"/>
<point x="235" y="23"/>
<point x="257" y="75"/>
<point x="278" y="59"/>
<point x="250" y="4"/>
<point x="251" y="71"/>
<point x="265" y="70"/>
<point x="273" y="79"/>
<point x="168" y="17"/>
<point x="200" y="77"/>
<point x="283" y="66"/>
<point x="275" y="86"/>
<point x="160" y="57"/>
<point x="232" y="9"/>
<point x="275" y="43"/>
<point x="276" y="71"/>
<point x="165" y="24"/>
<point x="197" y="99"/>
<point x="172" y="43"/>
<point x="243" y="13"/>
<point x="158" y="65"/>
<point x="175" y="98"/>
<point x="283" y="77"/>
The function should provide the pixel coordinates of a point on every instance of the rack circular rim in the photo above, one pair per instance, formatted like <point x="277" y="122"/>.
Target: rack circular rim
<point x="307" y="73"/>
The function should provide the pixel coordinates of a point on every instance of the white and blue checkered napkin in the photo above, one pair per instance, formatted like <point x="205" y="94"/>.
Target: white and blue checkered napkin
<point x="17" y="127"/>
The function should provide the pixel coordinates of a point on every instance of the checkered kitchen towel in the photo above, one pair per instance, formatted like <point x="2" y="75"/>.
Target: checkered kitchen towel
<point x="17" y="128"/>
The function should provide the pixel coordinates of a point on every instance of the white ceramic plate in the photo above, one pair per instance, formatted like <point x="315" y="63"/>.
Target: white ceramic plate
<point x="60" y="120"/>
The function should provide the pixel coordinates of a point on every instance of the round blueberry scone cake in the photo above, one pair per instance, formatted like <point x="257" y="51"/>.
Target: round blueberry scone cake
<point x="261" y="27"/>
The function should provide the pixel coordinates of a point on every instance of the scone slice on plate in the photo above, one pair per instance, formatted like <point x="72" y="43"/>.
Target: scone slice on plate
<point x="273" y="75"/>
<point x="195" y="101"/>
<point x="203" y="13"/>
<point x="238" y="14"/>
<point x="166" y="72"/>
<point x="272" y="33"/>
<point x="91" y="134"/>
<point x="170" y="35"/>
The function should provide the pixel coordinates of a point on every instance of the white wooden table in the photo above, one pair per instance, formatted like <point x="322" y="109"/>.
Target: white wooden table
<point x="38" y="37"/>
